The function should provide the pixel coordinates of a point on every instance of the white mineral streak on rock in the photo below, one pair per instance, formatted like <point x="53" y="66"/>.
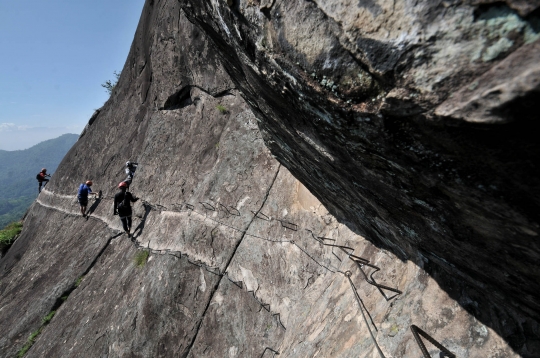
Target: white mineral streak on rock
<point x="318" y="114"/>
<point x="249" y="279"/>
<point x="316" y="145"/>
<point x="216" y="6"/>
<point x="238" y="31"/>
<point x="185" y="310"/>
<point x="68" y="204"/>
<point x="242" y="202"/>
<point x="233" y="351"/>
<point x="64" y="204"/>
<point x="202" y="286"/>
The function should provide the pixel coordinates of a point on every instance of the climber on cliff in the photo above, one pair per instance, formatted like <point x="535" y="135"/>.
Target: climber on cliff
<point x="82" y="195"/>
<point x="42" y="178"/>
<point x="122" y="206"/>
<point x="130" y="172"/>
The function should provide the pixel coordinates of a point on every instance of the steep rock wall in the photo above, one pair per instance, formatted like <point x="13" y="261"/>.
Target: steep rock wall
<point x="411" y="121"/>
<point x="225" y="277"/>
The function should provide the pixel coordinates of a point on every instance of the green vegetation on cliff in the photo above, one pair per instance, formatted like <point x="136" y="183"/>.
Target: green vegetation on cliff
<point x="109" y="85"/>
<point x="8" y="234"/>
<point x="44" y="321"/>
<point x="140" y="258"/>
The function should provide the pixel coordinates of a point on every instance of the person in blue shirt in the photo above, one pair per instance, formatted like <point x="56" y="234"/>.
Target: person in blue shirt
<point x="82" y="195"/>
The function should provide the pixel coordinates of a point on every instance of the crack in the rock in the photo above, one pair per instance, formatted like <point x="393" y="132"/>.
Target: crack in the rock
<point x="216" y="271"/>
<point x="182" y="97"/>
<point x="101" y="252"/>
<point x="215" y="288"/>
<point x="256" y="214"/>
<point x="311" y="257"/>
<point x="63" y="297"/>
<point x="253" y="218"/>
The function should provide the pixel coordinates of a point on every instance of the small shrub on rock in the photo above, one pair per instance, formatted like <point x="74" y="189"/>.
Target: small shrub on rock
<point x="222" y="109"/>
<point x="110" y="85"/>
<point x="29" y="343"/>
<point x="140" y="258"/>
<point x="44" y="321"/>
<point x="78" y="282"/>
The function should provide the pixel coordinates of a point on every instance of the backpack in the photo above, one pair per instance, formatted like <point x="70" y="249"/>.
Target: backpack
<point x="83" y="191"/>
<point x="38" y="177"/>
<point x="124" y="204"/>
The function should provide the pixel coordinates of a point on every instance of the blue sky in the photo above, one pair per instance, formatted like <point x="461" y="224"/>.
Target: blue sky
<point x="55" y="56"/>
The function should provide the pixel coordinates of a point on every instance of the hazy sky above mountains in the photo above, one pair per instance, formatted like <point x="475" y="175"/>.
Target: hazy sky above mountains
<point x="55" y="56"/>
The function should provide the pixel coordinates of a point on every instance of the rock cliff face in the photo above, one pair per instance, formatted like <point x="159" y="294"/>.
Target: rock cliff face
<point x="288" y="150"/>
<point x="412" y="122"/>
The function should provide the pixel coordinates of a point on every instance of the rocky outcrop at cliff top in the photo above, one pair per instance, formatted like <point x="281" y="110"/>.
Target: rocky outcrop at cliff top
<point x="410" y="122"/>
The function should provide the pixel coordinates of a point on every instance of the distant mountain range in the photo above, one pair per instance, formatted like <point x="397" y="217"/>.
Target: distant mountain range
<point x="18" y="169"/>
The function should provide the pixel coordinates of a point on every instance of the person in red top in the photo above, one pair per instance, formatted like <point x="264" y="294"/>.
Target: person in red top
<point x="42" y="178"/>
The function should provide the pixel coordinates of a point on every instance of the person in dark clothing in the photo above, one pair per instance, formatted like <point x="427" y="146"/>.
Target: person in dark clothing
<point x="122" y="206"/>
<point x="82" y="195"/>
<point x="42" y="178"/>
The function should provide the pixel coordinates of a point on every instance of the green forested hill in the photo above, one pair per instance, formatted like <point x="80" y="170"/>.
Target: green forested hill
<point x="18" y="169"/>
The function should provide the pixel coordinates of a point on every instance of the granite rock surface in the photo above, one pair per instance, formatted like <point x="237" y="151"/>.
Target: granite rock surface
<point x="411" y="121"/>
<point x="283" y="148"/>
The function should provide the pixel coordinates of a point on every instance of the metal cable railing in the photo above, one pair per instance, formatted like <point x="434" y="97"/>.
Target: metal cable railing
<point x="417" y="332"/>
<point x="362" y="307"/>
<point x="360" y="262"/>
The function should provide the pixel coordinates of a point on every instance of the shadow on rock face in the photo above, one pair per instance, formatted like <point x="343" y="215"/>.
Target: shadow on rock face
<point x="139" y="229"/>
<point x="464" y="197"/>
<point x="94" y="205"/>
<point x="519" y="331"/>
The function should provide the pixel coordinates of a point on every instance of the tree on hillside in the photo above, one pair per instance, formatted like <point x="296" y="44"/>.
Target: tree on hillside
<point x="109" y="85"/>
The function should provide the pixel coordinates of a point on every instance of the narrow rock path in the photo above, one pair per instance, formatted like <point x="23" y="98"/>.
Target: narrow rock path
<point x="361" y="263"/>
